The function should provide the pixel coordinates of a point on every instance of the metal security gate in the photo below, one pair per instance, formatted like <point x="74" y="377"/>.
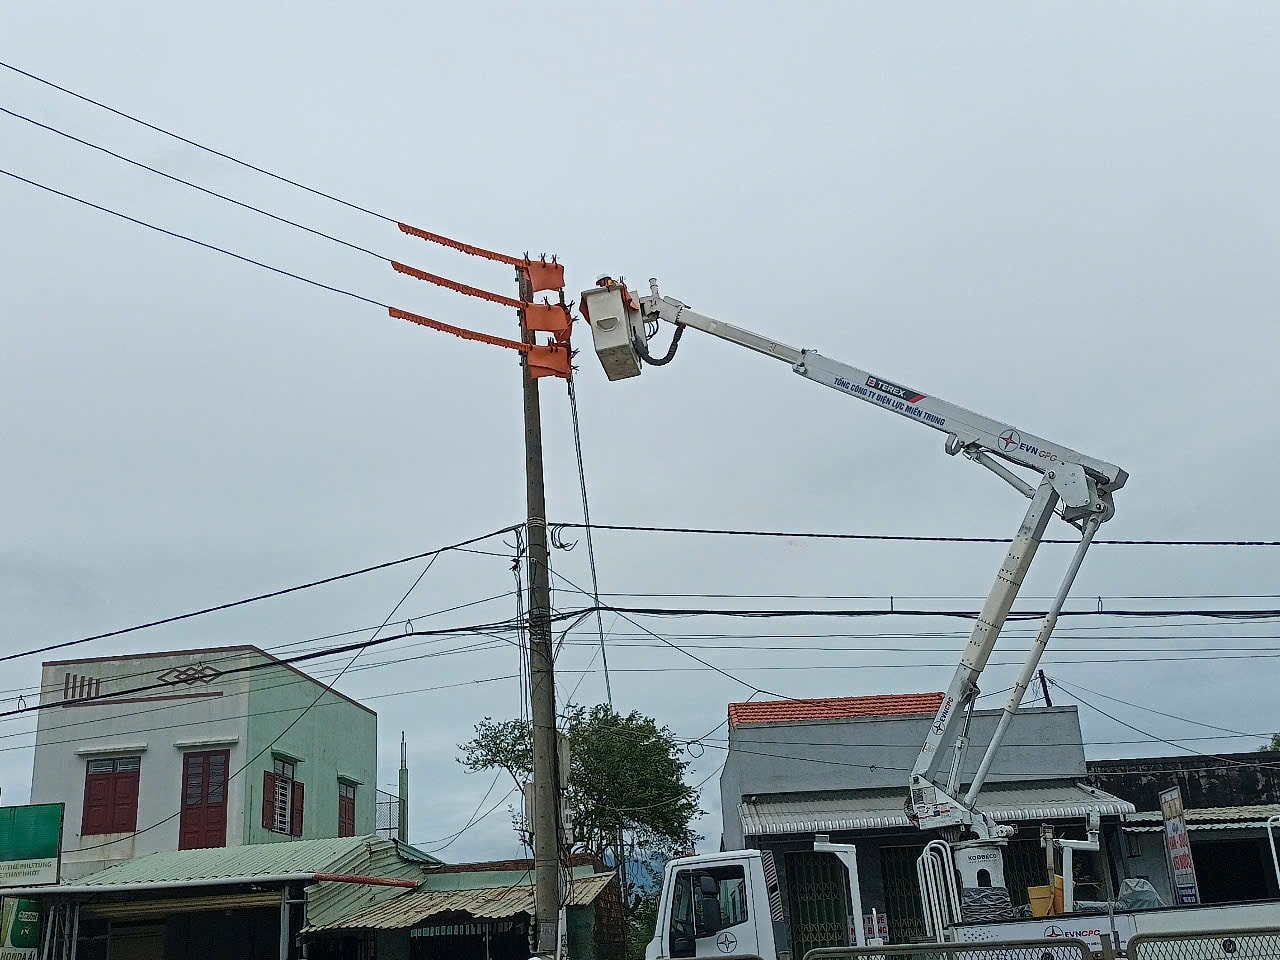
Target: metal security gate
<point x="1206" y="945"/>
<point x="1024" y="866"/>
<point x="818" y="899"/>
<point x="902" y="894"/>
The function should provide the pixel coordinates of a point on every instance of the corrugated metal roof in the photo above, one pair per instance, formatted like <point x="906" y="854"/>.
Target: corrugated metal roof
<point x="370" y="856"/>
<point x="487" y="903"/>
<point x="834" y="708"/>
<point x="783" y="814"/>
<point x="381" y="858"/>
<point x="1207" y="818"/>
<point x="264" y="859"/>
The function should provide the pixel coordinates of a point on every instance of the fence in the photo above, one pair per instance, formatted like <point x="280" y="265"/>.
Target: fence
<point x="1058" y="949"/>
<point x="387" y="807"/>
<point x="1206" y="945"/>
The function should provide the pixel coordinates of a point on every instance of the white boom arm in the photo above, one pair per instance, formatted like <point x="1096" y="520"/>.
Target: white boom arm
<point x="1082" y="484"/>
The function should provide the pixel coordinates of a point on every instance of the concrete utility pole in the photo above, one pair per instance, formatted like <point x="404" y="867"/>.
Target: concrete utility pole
<point x="542" y="689"/>
<point x="402" y="808"/>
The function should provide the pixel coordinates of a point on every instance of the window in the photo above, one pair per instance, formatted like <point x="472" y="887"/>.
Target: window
<point x="1134" y="842"/>
<point x="346" y="809"/>
<point x="203" y="820"/>
<point x="111" y="796"/>
<point x="733" y="895"/>
<point x="703" y="903"/>
<point x="282" y="799"/>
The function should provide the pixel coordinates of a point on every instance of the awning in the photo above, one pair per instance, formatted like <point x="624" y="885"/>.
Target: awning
<point x="145" y="909"/>
<point x="1247" y="816"/>
<point x="800" y="813"/>
<point x="486" y="903"/>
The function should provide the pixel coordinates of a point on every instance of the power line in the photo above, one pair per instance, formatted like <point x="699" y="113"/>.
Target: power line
<point x="1071" y="687"/>
<point x="812" y="535"/>
<point x="312" y="679"/>
<point x="475" y="818"/>
<point x="274" y="662"/>
<point x="693" y="656"/>
<point x="1173" y="743"/>
<point x="935" y="596"/>
<point x="862" y="648"/>
<point x="327" y="689"/>
<point x="785" y="614"/>
<point x="199" y="146"/>
<point x="199" y="243"/>
<point x="792" y="667"/>
<point x="194" y="186"/>
<point x="216" y="608"/>
<point x="622" y="638"/>
<point x="553" y="268"/>
<point x="235" y="652"/>
<point x="1007" y="744"/>
<point x="591" y="549"/>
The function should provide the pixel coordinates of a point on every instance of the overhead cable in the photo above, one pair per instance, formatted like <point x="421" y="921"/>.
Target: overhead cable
<point x="551" y="355"/>
<point x="591" y="549"/>
<point x="817" y="535"/>
<point x="325" y="689"/>
<point x="194" y="143"/>
<point x="1147" y="733"/>
<point x="466" y="289"/>
<point x="253" y="599"/>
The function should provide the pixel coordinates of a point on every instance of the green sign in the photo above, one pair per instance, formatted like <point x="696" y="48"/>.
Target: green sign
<point x="19" y="929"/>
<point x="30" y="845"/>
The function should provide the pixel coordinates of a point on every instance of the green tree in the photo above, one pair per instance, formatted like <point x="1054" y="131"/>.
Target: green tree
<point x="642" y="917"/>
<point x="626" y="784"/>
<point x="1273" y="745"/>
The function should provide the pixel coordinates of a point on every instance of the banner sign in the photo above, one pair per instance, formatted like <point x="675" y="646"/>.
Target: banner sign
<point x="1177" y="845"/>
<point x="19" y="929"/>
<point x="30" y="845"/>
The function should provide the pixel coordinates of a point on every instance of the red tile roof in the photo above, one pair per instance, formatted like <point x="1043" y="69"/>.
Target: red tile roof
<point x="835" y="708"/>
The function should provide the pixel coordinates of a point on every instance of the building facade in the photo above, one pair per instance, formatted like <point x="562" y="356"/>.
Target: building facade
<point x="196" y="749"/>
<point x="246" y="902"/>
<point x="840" y="767"/>
<point x="477" y="911"/>
<point x="1228" y="800"/>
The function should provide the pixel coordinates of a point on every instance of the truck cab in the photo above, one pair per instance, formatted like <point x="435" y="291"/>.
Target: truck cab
<point x="718" y="905"/>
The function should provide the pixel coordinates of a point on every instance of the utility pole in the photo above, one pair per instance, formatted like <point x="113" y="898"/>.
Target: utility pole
<point x="542" y="689"/>
<point x="402" y="808"/>
<point x="1044" y="685"/>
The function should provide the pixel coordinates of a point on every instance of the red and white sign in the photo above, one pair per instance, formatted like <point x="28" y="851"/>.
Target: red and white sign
<point x="881" y="928"/>
<point x="1177" y="845"/>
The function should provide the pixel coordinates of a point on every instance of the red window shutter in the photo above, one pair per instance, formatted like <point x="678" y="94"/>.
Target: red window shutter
<point x="268" y="800"/>
<point x="295" y="815"/>
<point x="124" y="812"/>
<point x="97" y="805"/>
<point x="346" y="815"/>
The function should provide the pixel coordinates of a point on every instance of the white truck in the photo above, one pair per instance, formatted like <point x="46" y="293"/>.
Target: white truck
<point x="729" y="904"/>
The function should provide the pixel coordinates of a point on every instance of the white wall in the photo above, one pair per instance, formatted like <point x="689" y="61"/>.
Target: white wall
<point x="181" y="713"/>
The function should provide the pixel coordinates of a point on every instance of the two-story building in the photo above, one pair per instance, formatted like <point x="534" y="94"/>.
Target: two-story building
<point x="201" y="748"/>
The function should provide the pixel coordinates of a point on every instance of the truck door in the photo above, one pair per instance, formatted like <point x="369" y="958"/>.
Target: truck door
<point x="711" y="914"/>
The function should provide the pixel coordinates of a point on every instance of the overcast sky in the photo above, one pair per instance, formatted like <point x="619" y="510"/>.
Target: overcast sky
<point x="1061" y="214"/>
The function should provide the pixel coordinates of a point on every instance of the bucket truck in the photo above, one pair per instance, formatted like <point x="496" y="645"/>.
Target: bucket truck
<point x="962" y="873"/>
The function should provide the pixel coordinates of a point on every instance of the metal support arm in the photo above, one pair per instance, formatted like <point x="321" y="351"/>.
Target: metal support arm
<point x="1083" y="487"/>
